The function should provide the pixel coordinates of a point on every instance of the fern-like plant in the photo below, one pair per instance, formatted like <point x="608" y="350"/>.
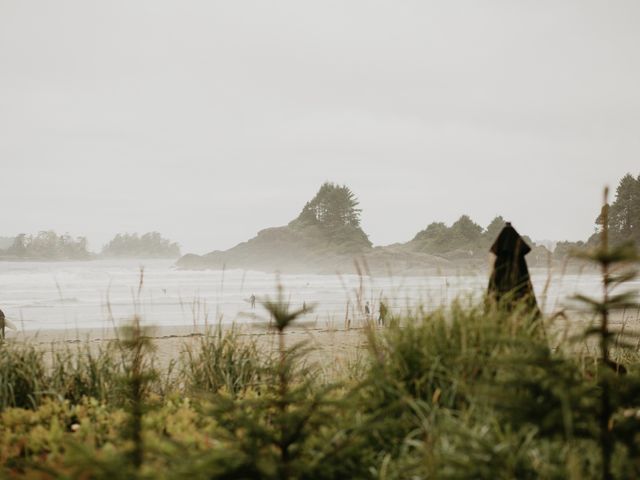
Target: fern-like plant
<point x="616" y="265"/>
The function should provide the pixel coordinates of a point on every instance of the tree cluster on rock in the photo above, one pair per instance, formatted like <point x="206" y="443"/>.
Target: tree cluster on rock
<point x="333" y="206"/>
<point x="149" y="245"/>
<point x="332" y="218"/>
<point x="464" y="236"/>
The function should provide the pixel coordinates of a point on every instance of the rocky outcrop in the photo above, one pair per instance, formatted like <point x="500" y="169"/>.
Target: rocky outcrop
<point x="327" y="238"/>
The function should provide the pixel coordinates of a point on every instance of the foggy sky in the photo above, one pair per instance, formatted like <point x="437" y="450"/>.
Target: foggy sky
<point x="208" y="121"/>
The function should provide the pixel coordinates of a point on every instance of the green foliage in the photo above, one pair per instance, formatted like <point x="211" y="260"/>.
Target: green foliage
<point x="623" y="221"/>
<point x="623" y="216"/>
<point x="277" y="432"/>
<point x="467" y="240"/>
<point x="330" y="222"/>
<point x="441" y="360"/>
<point x="85" y="440"/>
<point x="464" y="234"/>
<point x="333" y="206"/>
<point x="471" y="390"/>
<point x="71" y="374"/>
<point x="221" y="360"/>
<point x="138" y="375"/>
<point x="447" y="445"/>
<point x="435" y="355"/>
<point x="537" y="386"/>
<point x="23" y="380"/>
<point x="149" y="245"/>
<point x="83" y="372"/>
<point x="617" y="268"/>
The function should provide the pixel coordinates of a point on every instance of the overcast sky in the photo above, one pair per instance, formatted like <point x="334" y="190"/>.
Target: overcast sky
<point x="208" y="121"/>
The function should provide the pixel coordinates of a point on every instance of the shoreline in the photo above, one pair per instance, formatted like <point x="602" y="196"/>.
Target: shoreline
<point x="62" y="335"/>
<point x="453" y="267"/>
<point x="340" y="345"/>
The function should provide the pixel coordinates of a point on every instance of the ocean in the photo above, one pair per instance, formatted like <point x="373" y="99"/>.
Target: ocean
<point x="104" y="293"/>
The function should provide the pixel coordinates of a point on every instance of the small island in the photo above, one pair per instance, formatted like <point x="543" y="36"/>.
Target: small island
<point x="50" y="246"/>
<point x="46" y="245"/>
<point x="327" y="237"/>
<point x="148" y="245"/>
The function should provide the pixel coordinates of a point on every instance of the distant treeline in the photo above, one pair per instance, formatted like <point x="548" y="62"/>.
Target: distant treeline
<point x="466" y="239"/>
<point x="150" y="245"/>
<point x="464" y="235"/>
<point x="330" y="224"/>
<point x="47" y="245"/>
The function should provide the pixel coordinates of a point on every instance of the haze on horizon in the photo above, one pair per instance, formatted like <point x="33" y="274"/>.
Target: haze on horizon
<point x="208" y="121"/>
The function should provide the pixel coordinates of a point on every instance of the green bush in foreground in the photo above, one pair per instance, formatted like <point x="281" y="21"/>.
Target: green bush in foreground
<point x="23" y="380"/>
<point x="222" y="359"/>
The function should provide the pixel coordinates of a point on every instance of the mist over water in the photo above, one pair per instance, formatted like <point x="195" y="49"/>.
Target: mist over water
<point x="99" y="294"/>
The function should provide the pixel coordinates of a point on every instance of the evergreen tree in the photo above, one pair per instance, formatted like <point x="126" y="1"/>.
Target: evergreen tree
<point x="333" y="206"/>
<point x="617" y="265"/>
<point x="279" y="432"/>
<point x="494" y="228"/>
<point x="624" y="213"/>
<point x="465" y="231"/>
<point x="332" y="220"/>
<point x="436" y="238"/>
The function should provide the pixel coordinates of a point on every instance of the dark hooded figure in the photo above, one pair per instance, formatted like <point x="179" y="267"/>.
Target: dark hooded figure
<point x="510" y="279"/>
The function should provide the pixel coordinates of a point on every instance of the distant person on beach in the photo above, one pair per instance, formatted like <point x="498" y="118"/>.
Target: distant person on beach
<point x="252" y="300"/>
<point x="382" y="313"/>
<point x="2" y="325"/>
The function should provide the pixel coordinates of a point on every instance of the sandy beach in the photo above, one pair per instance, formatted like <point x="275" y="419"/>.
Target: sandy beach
<point x="340" y="345"/>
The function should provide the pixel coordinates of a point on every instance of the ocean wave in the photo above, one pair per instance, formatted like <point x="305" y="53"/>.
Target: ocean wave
<point x="48" y="303"/>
